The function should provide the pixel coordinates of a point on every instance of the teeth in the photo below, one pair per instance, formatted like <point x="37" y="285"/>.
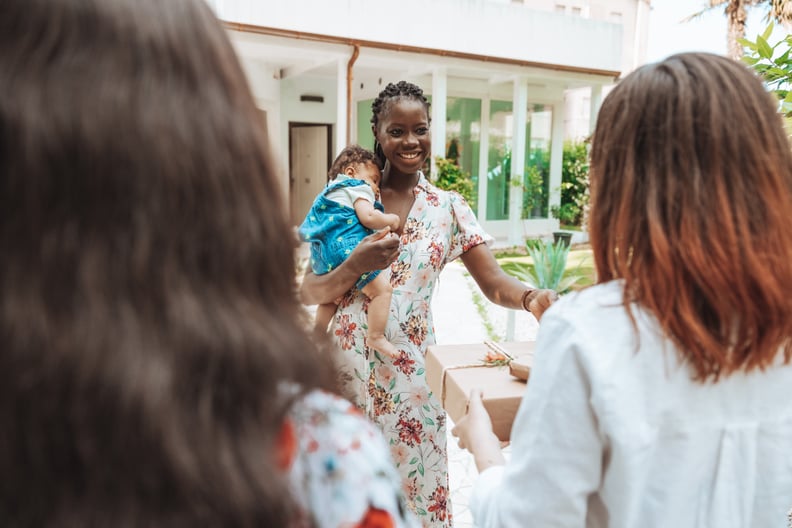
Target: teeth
<point x="410" y="155"/>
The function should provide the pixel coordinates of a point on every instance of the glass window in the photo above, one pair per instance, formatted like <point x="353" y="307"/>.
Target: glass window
<point x="536" y="176"/>
<point x="501" y="127"/>
<point x="365" y="138"/>
<point x="536" y="173"/>
<point x="463" y="133"/>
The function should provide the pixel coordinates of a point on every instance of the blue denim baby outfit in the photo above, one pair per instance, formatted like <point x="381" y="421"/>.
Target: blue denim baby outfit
<point x="333" y="229"/>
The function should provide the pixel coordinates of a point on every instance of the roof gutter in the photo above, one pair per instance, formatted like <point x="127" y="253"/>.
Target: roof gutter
<point x="315" y="37"/>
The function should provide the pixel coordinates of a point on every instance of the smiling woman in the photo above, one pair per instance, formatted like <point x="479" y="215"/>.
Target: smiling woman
<point x="436" y="227"/>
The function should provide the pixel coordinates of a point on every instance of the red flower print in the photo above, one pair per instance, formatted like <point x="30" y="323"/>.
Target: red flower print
<point x="376" y="518"/>
<point x="365" y="304"/>
<point x="439" y="504"/>
<point x="419" y="396"/>
<point x="435" y="254"/>
<point x="345" y="332"/>
<point x="372" y="384"/>
<point x="432" y="199"/>
<point x="415" y="328"/>
<point x="400" y="273"/>
<point x="383" y="403"/>
<point x="404" y="363"/>
<point x="409" y="431"/>
<point x="413" y="230"/>
<point x="400" y="454"/>
<point x="347" y="299"/>
<point x="470" y="242"/>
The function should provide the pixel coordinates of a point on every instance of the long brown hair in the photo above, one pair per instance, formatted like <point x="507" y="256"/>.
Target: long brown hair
<point x="691" y="178"/>
<point x="151" y="340"/>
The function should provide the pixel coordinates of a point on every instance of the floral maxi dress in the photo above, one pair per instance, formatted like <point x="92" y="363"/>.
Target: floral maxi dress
<point x="393" y="392"/>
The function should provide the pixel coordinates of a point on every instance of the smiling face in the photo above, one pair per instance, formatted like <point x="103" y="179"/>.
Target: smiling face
<point x="403" y="132"/>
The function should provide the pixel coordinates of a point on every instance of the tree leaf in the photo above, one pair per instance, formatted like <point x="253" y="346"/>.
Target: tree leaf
<point x="748" y="44"/>
<point x="768" y="31"/>
<point x="764" y="49"/>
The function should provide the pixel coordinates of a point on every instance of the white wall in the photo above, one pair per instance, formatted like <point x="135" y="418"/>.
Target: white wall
<point x="512" y="30"/>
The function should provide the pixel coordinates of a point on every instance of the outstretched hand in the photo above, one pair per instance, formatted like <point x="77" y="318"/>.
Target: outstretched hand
<point x="475" y="434"/>
<point x="540" y="300"/>
<point x="375" y="252"/>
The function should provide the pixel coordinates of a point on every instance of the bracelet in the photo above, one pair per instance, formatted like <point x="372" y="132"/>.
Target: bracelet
<point x="528" y="296"/>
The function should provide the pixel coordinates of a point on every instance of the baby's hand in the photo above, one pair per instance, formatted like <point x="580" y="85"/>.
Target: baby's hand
<point x="394" y="221"/>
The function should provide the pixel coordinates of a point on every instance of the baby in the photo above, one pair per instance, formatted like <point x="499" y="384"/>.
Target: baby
<point x="344" y="213"/>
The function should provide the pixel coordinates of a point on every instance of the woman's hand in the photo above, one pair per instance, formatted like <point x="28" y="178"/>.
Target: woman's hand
<point x="540" y="300"/>
<point x="475" y="434"/>
<point x="374" y="252"/>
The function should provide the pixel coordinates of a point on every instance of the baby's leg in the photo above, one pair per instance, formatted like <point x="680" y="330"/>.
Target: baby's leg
<point x="379" y="292"/>
<point x="324" y="313"/>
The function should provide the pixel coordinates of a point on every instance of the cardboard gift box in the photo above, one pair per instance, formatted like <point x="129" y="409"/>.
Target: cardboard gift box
<point x="453" y="370"/>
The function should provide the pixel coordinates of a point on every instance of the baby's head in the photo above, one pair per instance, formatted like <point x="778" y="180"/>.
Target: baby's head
<point x="357" y="162"/>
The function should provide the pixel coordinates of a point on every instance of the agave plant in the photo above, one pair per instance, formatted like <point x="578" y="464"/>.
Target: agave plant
<point x="548" y="268"/>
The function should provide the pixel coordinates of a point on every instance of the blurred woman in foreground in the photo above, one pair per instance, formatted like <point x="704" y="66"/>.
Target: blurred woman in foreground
<point x="154" y="367"/>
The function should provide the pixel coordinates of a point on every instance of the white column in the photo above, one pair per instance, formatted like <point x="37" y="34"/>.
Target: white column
<point x="483" y="159"/>
<point x="556" y="155"/>
<point x="519" y="110"/>
<point x="439" y="99"/>
<point x="341" y="107"/>
<point x="596" y="102"/>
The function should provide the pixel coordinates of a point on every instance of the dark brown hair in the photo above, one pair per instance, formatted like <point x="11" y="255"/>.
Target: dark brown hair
<point x="691" y="178"/>
<point x="390" y="94"/>
<point x="151" y="340"/>
<point x="352" y="155"/>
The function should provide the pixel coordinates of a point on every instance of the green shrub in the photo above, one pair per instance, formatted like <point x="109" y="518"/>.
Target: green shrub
<point x="774" y="64"/>
<point x="451" y="177"/>
<point x="548" y="268"/>
<point x="568" y="213"/>
<point x="533" y="190"/>
<point x="574" y="185"/>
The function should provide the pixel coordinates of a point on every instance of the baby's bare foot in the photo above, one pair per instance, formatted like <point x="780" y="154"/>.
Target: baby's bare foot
<point x="382" y="345"/>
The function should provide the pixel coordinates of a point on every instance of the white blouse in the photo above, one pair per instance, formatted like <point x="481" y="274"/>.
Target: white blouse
<point x="614" y="432"/>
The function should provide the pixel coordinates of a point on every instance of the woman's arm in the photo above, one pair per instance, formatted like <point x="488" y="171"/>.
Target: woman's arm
<point x="374" y="252"/>
<point x="500" y="287"/>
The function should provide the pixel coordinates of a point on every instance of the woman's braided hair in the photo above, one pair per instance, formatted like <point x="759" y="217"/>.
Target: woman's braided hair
<point x="401" y="89"/>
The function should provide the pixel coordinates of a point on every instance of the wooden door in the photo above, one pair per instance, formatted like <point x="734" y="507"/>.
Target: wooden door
<point x="309" y="161"/>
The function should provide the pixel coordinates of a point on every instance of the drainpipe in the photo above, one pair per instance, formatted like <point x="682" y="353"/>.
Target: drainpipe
<point x="350" y="64"/>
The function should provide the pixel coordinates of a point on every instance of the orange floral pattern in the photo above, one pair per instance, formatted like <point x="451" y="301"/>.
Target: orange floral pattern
<point x="376" y="518"/>
<point x="438" y="229"/>
<point x="345" y="332"/>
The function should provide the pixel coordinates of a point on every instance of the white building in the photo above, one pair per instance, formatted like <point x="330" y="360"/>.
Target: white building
<point x="316" y="65"/>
